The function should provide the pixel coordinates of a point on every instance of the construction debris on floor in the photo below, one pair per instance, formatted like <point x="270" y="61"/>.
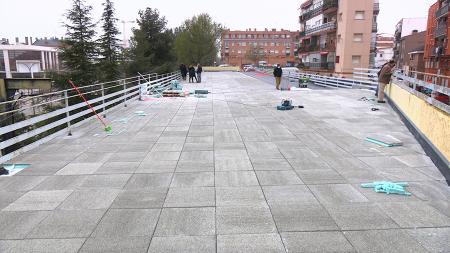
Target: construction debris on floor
<point x="384" y="140"/>
<point x="388" y="187"/>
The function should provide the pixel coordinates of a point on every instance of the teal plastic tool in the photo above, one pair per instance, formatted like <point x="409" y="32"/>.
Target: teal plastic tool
<point x="388" y="187"/>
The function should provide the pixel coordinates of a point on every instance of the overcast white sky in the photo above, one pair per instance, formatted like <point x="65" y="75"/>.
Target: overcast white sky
<point x="43" y="18"/>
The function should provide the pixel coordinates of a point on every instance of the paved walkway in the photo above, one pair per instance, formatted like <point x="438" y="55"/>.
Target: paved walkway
<point x="229" y="173"/>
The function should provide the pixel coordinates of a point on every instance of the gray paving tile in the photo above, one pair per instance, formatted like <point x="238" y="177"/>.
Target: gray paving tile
<point x="116" y="245"/>
<point x="415" y="214"/>
<point x="278" y="178"/>
<point x="162" y="156"/>
<point x="292" y="194"/>
<point x="93" y="157"/>
<point x="90" y="199"/>
<point x="105" y="181"/>
<point x="336" y="194"/>
<point x="38" y="200"/>
<point x="186" y="222"/>
<point x="271" y="164"/>
<point x="16" y="225"/>
<point x="67" y="224"/>
<point x="195" y="179"/>
<point x="244" y="220"/>
<point x="7" y="198"/>
<point x="128" y="157"/>
<point x="150" y="198"/>
<point x="228" y="145"/>
<point x="198" y="147"/>
<point x="204" y="157"/>
<point x="157" y="167"/>
<point x="194" y="167"/>
<point x="20" y="183"/>
<point x="320" y="176"/>
<point x="79" y="168"/>
<point x="118" y="168"/>
<point x="302" y="217"/>
<point x="43" y="168"/>
<point x="382" y="240"/>
<point x="240" y="196"/>
<point x="361" y="217"/>
<point x="311" y="164"/>
<point x="42" y="246"/>
<point x="237" y="154"/>
<point x="432" y="239"/>
<point x="262" y="243"/>
<point x="53" y="183"/>
<point x="231" y="164"/>
<point x="327" y="242"/>
<point x="382" y="162"/>
<point x="161" y="147"/>
<point x="236" y="179"/>
<point x="146" y="181"/>
<point x="190" y="197"/>
<point x="129" y="222"/>
<point x="430" y="190"/>
<point x="175" y="244"/>
<point x="415" y="160"/>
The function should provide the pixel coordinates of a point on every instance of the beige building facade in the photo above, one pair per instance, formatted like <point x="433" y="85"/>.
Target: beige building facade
<point x="337" y="35"/>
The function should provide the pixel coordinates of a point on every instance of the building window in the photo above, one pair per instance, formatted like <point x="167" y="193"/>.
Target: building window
<point x="272" y="44"/>
<point x="359" y="15"/>
<point x="277" y="52"/>
<point x="338" y="58"/>
<point x="357" y="37"/>
<point x="239" y="52"/>
<point x="340" y="17"/>
<point x="288" y="36"/>
<point x="244" y="44"/>
<point x="356" y="59"/>
<point x="339" y="38"/>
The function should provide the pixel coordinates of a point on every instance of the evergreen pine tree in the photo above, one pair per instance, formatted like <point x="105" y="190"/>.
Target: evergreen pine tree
<point x="109" y="44"/>
<point x="79" y="49"/>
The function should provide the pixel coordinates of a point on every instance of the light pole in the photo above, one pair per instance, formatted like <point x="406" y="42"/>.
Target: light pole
<point x="125" y="40"/>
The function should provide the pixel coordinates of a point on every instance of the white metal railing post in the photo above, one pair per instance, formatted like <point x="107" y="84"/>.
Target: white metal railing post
<point x="124" y="93"/>
<point x="103" y="100"/>
<point x="66" y="99"/>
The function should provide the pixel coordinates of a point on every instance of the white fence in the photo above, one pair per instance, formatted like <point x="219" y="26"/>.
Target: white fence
<point x="363" y="79"/>
<point x="64" y="110"/>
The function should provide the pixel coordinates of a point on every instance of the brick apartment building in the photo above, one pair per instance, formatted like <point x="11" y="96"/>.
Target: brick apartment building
<point x="252" y="46"/>
<point x="338" y="36"/>
<point x="407" y="44"/>
<point x="437" y="46"/>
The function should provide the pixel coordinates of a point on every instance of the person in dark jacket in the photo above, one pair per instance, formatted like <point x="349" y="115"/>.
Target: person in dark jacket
<point x="183" y="70"/>
<point x="199" y="73"/>
<point x="278" y="73"/>
<point x="192" y="74"/>
<point x="384" y="79"/>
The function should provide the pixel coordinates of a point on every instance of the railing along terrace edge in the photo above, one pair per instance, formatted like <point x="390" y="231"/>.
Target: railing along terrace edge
<point x="73" y="115"/>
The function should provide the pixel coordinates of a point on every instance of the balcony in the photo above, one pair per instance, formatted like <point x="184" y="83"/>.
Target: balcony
<point x="444" y="10"/>
<point x="376" y="7"/>
<point x="327" y="4"/>
<point x="374" y="27"/>
<point x="317" y="48"/>
<point x="321" y="28"/>
<point x="438" y="51"/>
<point x="441" y="30"/>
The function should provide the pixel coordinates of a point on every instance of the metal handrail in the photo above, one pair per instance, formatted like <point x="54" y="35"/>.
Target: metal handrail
<point x="323" y="27"/>
<point x="76" y="113"/>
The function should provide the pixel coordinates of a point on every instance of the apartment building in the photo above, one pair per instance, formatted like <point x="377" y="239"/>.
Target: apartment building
<point x="253" y="47"/>
<point x="338" y="36"/>
<point x="437" y="46"/>
<point x="406" y="27"/>
<point x="408" y="44"/>
<point x="384" y="49"/>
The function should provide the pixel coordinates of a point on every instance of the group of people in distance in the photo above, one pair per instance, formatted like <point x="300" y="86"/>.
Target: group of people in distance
<point x="194" y="73"/>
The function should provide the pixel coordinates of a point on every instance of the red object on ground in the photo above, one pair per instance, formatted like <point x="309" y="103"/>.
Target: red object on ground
<point x="89" y="105"/>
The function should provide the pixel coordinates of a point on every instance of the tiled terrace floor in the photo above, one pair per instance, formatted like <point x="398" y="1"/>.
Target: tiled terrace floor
<point x="229" y="173"/>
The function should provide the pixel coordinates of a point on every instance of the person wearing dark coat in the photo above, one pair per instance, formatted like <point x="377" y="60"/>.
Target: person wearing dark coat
<point x="184" y="71"/>
<point x="384" y="79"/>
<point x="199" y="73"/>
<point x="192" y="74"/>
<point x="278" y="73"/>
